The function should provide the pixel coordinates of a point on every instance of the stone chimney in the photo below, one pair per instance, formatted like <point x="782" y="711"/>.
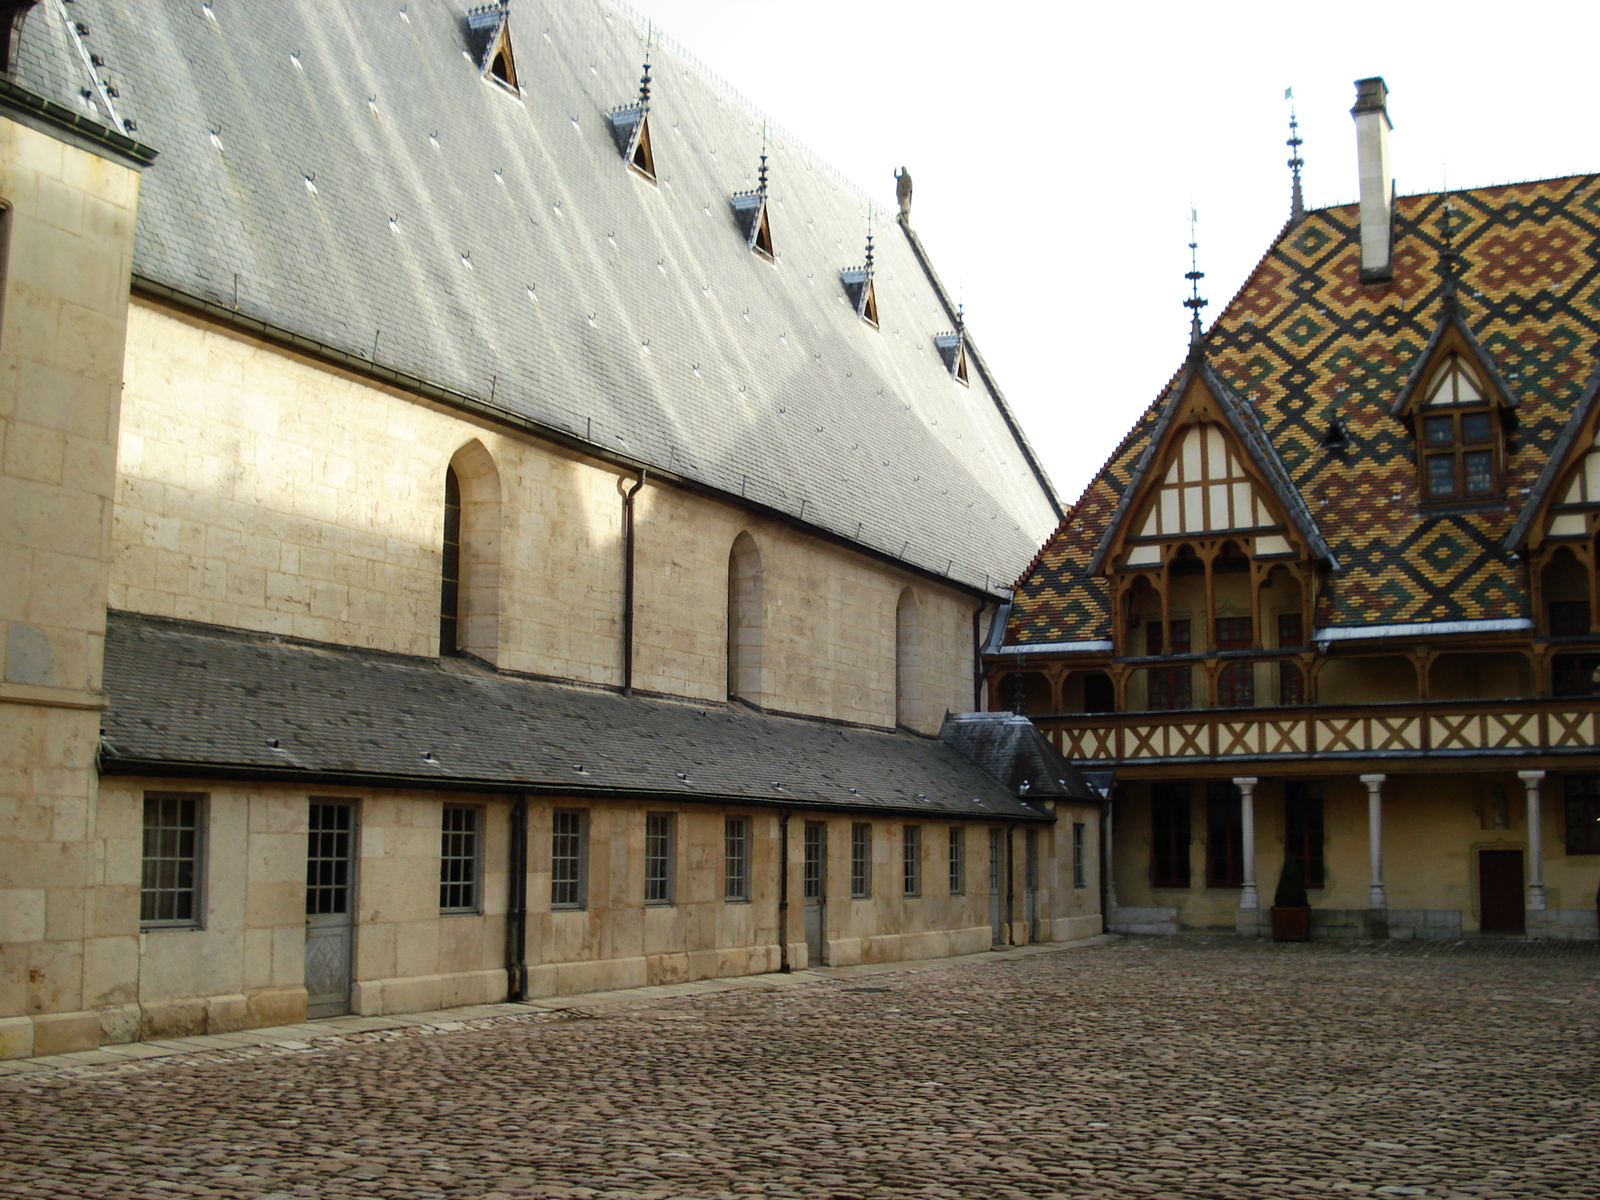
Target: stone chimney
<point x="1377" y="184"/>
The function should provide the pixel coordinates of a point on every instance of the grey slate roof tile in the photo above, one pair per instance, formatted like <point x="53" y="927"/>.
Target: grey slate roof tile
<point x="328" y="267"/>
<point x="201" y="700"/>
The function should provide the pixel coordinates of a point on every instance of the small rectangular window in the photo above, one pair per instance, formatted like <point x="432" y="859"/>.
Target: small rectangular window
<point x="958" y="860"/>
<point x="1080" y="866"/>
<point x="458" y="860"/>
<point x="1291" y="630"/>
<point x="911" y="858"/>
<point x="658" y="858"/>
<point x="860" y="861"/>
<point x="736" y="858"/>
<point x="169" y="892"/>
<point x="1479" y="467"/>
<point x="1441" y="476"/>
<point x="569" y="858"/>
<point x="814" y="866"/>
<point x="1475" y="427"/>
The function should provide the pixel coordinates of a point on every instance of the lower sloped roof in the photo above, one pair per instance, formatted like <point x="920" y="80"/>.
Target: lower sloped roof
<point x="197" y="699"/>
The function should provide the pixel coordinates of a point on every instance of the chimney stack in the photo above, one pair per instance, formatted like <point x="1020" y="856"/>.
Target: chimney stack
<point x="1377" y="185"/>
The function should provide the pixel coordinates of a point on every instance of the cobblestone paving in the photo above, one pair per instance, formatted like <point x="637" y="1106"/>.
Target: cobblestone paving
<point x="1190" y="1067"/>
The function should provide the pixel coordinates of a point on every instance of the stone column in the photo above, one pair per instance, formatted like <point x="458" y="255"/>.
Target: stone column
<point x="1246" y="784"/>
<point x="1376" y="897"/>
<point x="1531" y="781"/>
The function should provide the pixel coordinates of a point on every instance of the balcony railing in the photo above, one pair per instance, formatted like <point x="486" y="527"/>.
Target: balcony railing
<point x="1445" y="728"/>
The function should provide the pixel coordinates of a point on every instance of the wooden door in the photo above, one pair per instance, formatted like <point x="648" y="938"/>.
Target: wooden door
<point x="1500" y="892"/>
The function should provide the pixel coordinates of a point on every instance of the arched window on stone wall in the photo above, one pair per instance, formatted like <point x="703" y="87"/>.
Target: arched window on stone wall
<point x="907" y="660"/>
<point x="469" y="575"/>
<point x="746" y="620"/>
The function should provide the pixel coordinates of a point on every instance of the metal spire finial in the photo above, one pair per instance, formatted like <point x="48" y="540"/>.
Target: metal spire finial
<point x="761" y="186"/>
<point x="1297" y="204"/>
<point x="1448" y="258"/>
<point x="1194" y="275"/>
<point x="869" y="246"/>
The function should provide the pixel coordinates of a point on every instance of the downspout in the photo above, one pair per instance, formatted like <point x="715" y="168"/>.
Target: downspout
<point x="783" y="892"/>
<point x="977" y="656"/>
<point x="627" y="583"/>
<point x="517" y="903"/>
<point x="1105" y="865"/>
<point x="1011" y="883"/>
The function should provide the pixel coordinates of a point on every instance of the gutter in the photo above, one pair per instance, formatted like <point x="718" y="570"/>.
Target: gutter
<point x="151" y="768"/>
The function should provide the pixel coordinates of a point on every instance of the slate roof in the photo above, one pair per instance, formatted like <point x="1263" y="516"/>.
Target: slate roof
<point x="1305" y="344"/>
<point x="1014" y="751"/>
<point x="187" y="699"/>
<point x="527" y="268"/>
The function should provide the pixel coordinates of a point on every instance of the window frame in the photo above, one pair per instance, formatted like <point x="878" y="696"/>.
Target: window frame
<point x="1581" y="794"/>
<point x="194" y="891"/>
<point x="958" y="860"/>
<point x="861" y="860"/>
<point x="578" y="880"/>
<point x="1456" y="447"/>
<point x="1224" y="835"/>
<point x="911" y="860"/>
<point x="473" y="859"/>
<point x="1080" y="862"/>
<point x="1170" y="865"/>
<point x="736" y="860"/>
<point x="660" y="858"/>
<point x="1305" y="828"/>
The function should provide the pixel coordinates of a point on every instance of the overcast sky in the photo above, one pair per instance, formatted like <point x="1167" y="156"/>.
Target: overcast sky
<point x="1056" y="149"/>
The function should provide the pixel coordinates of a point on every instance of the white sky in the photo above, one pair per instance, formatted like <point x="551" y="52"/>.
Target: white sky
<point x="1056" y="148"/>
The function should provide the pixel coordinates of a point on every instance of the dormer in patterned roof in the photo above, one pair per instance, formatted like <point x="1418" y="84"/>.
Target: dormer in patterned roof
<point x="490" y="28"/>
<point x="1459" y="408"/>
<point x="750" y="210"/>
<point x="630" y="126"/>
<point x="1211" y="548"/>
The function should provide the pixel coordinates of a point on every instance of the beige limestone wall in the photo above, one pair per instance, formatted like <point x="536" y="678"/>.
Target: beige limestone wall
<point x="67" y="217"/>
<point x="264" y="491"/>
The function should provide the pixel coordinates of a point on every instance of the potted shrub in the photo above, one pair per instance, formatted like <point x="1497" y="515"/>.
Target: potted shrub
<point x="1291" y="909"/>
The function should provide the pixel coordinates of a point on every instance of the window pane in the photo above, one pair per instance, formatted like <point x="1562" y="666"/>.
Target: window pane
<point x="1440" y="431"/>
<point x="1480" y="478"/>
<point x="1442" y="476"/>
<point x="1475" y="427"/>
<point x="860" y="861"/>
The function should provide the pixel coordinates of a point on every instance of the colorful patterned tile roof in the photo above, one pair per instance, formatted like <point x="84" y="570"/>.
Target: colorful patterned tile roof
<point x="1307" y="344"/>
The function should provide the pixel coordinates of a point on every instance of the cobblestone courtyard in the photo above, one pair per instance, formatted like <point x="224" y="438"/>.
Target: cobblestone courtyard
<point x="1185" y="1067"/>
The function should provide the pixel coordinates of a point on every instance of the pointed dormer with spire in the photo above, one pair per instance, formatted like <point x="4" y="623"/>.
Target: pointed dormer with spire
<point x="750" y="210"/>
<point x="630" y="127"/>
<point x="858" y="286"/>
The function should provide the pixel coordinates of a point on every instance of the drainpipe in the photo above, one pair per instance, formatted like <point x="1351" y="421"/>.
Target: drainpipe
<point x="627" y="583"/>
<point x="977" y="656"/>
<point x="517" y="904"/>
<point x="1011" y="883"/>
<point x="783" y="892"/>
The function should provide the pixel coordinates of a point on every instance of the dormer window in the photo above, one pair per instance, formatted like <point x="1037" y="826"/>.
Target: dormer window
<point x="490" y="28"/>
<point x="1459" y="439"/>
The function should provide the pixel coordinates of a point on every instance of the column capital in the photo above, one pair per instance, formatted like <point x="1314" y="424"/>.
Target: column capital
<point x="1246" y="781"/>
<point x="1530" y="776"/>
<point x="1369" y="780"/>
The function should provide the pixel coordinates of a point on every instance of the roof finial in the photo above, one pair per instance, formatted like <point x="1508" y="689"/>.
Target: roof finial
<point x="1448" y="258"/>
<point x="1194" y="275"/>
<point x="761" y="176"/>
<point x="1297" y="204"/>
<point x="644" y="83"/>
<point x="869" y="244"/>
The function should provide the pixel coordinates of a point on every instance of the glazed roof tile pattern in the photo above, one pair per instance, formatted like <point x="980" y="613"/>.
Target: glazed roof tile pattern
<point x="341" y="170"/>
<point x="1306" y="344"/>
